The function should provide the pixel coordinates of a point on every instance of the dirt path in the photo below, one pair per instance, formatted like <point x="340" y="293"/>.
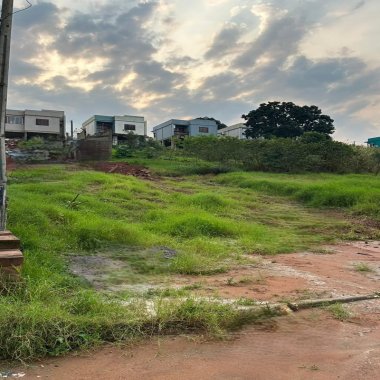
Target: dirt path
<point x="306" y="345"/>
<point x="309" y="345"/>
<point x="335" y="271"/>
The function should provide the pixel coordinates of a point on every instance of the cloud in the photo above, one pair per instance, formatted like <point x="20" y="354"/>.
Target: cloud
<point x="157" y="59"/>
<point x="224" y="42"/>
<point x="279" y="39"/>
<point x="359" y="5"/>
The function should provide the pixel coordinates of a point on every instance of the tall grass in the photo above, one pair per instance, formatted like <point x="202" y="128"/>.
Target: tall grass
<point x="210" y="228"/>
<point x="357" y="193"/>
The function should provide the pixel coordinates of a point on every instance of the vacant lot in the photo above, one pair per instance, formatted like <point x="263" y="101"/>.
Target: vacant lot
<point x="95" y="242"/>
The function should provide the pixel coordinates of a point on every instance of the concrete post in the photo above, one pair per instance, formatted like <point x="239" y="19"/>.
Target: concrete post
<point x="5" y="45"/>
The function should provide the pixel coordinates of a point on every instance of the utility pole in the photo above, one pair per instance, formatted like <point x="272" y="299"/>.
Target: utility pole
<point x="5" y="46"/>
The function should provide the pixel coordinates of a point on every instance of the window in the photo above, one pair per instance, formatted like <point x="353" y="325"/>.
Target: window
<point x="103" y="127"/>
<point x="44" y="122"/>
<point x="13" y="119"/>
<point x="203" y="129"/>
<point x="129" y="127"/>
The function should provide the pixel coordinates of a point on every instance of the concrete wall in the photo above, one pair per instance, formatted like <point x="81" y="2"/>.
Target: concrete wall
<point x="90" y="126"/>
<point x="14" y="127"/>
<point x="137" y="121"/>
<point x="94" y="148"/>
<point x="56" y="120"/>
<point x="236" y="130"/>
<point x="118" y="123"/>
<point x="31" y="126"/>
<point x="197" y="123"/>
<point x="165" y="130"/>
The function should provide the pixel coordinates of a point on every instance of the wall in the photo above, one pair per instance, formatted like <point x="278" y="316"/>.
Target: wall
<point x="236" y="130"/>
<point x="197" y="123"/>
<point x="30" y="124"/>
<point x="54" y="118"/>
<point x="138" y="121"/>
<point x="164" y="131"/>
<point x="89" y="126"/>
<point x="14" y="127"/>
<point x="56" y="122"/>
<point x="94" y="148"/>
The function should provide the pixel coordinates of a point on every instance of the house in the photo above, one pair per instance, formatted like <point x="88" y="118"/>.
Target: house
<point x="236" y="130"/>
<point x="116" y="126"/>
<point x="29" y="123"/>
<point x="175" y="128"/>
<point x="374" y="142"/>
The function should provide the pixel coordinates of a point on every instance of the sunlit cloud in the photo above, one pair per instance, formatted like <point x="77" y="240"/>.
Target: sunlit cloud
<point x="221" y="58"/>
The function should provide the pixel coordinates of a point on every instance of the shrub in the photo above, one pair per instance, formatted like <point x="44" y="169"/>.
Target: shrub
<point x="312" y="152"/>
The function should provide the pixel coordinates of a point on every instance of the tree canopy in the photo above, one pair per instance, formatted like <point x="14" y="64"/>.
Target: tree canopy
<point x="286" y="119"/>
<point x="218" y="122"/>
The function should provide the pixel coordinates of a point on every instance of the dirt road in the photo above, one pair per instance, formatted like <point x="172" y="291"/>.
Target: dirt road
<point x="309" y="345"/>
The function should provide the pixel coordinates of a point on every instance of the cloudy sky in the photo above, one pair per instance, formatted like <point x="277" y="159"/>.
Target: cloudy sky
<point x="180" y="59"/>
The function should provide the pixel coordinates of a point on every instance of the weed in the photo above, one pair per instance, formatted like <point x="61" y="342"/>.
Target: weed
<point x="245" y="302"/>
<point x="196" y="264"/>
<point x="323" y="251"/>
<point x="246" y="280"/>
<point x="338" y="311"/>
<point x="231" y="282"/>
<point x="363" y="267"/>
<point x="357" y="193"/>
<point x="195" y="286"/>
<point x="51" y="312"/>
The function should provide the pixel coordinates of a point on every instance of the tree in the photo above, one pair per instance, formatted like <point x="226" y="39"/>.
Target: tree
<point x="218" y="122"/>
<point x="286" y="119"/>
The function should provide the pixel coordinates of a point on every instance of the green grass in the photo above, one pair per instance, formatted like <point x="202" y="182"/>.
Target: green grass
<point x="363" y="267"/>
<point x="173" y="164"/>
<point x="211" y="223"/>
<point x="339" y="312"/>
<point x="355" y="192"/>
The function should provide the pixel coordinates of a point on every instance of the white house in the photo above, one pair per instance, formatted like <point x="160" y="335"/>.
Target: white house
<point x="165" y="132"/>
<point x="117" y="126"/>
<point x="236" y="130"/>
<point x="30" y="123"/>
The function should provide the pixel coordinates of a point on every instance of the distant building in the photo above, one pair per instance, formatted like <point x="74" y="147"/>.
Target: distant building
<point x="29" y="123"/>
<point x="175" y="128"/>
<point x="236" y="130"/>
<point x="116" y="126"/>
<point x="374" y="141"/>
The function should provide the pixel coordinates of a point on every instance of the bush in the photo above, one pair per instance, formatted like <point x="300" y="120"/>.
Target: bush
<point x="313" y="152"/>
<point x="138" y="146"/>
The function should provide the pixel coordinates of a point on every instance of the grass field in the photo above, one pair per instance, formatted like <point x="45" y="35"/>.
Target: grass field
<point x="359" y="194"/>
<point x="211" y="222"/>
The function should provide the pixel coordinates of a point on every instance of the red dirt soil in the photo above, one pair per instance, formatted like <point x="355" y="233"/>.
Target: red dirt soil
<point x="309" y="345"/>
<point x="306" y="345"/>
<point x="123" y="168"/>
<point x="298" y="275"/>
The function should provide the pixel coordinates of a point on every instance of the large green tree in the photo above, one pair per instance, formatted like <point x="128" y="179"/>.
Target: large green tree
<point x="286" y="119"/>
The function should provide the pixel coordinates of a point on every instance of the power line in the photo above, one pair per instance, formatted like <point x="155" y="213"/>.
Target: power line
<point x="20" y="10"/>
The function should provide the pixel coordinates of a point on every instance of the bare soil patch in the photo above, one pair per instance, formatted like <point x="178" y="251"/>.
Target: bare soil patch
<point x="332" y="272"/>
<point x="310" y="344"/>
<point x="123" y="168"/>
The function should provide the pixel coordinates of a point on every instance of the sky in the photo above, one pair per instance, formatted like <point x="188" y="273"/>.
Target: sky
<point x="167" y="59"/>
